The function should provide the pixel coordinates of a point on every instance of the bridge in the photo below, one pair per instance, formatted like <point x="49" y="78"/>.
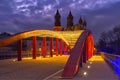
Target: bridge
<point x="78" y="44"/>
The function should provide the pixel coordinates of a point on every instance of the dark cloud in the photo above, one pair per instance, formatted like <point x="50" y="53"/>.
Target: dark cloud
<point x="103" y="19"/>
<point x="5" y="7"/>
<point x="22" y="15"/>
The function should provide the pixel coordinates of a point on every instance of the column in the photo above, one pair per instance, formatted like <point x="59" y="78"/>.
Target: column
<point x="51" y="46"/>
<point x="60" y="47"/>
<point x="56" y="46"/>
<point x="19" y="50"/>
<point x="34" y="50"/>
<point x="44" y="47"/>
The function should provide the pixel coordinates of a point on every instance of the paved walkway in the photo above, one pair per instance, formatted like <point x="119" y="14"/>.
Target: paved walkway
<point x="30" y="69"/>
<point x="95" y="69"/>
<point x="51" y="68"/>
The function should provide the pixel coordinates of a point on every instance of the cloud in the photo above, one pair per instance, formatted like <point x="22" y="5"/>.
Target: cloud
<point x="22" y="15"/>
<point x="103" y="19"/>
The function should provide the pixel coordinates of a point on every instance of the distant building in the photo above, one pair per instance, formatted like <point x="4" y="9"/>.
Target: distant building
<point x="69" y="22"/>
<point x="57" y="23"/>
<point x="81" y="25"/>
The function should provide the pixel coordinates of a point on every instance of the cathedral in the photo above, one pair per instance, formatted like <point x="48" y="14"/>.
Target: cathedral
<point x="81" y="25"/>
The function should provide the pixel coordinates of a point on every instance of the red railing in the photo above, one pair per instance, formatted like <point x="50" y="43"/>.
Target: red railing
<point x="81" y="52"/>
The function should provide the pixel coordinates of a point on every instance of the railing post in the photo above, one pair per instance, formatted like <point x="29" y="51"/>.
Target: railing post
<point x="56" y="46"/>
<point x="34" y="47"/>
<point x="19" y="50"/>
<point x="44" y="47"/>
<point x="51" y="46"/>
<point x="61" y="47"/>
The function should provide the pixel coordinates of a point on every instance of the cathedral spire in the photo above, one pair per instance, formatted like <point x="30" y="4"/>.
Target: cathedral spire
<point x="80" y="21"/>
<point x="70" y="15"/>
<point x="84" y="24"/>
<point x="57" y="18"/>
<point x="57" y="23"/>
<point x="69" y="21"/>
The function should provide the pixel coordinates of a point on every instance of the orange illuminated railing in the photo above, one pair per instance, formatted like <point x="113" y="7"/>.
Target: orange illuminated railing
<point x="81" y="52"/>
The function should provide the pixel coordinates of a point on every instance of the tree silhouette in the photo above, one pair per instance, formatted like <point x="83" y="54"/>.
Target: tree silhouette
<point x="110" y="41"/>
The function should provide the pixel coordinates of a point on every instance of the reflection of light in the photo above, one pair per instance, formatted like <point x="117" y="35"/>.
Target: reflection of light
<point x="85" y="73"/>
<point x="46" y="58"/>
<point x="14" y="60"/>
<point x="88" y="67"/>
<point x="52" y="50"/>
<point x="90" y="62"/>
<point x="28" y="58"/>
<point x="39" y="49"/>
<point x="96" y="58"/>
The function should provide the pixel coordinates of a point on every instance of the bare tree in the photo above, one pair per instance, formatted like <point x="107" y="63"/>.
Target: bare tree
<point x="110" y="39"/>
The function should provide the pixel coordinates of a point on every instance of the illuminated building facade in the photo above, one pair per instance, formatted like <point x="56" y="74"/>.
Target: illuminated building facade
<point x="70" y="25"/>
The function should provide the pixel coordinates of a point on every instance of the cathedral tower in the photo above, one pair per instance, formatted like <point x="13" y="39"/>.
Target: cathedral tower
<point x="84" y="24"/>
<point x="69" y="21"/>
<point x="80" y="23"/>
<point x="57" y="23"/>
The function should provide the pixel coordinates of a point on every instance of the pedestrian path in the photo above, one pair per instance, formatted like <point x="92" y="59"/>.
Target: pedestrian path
<point x="95" y="69"/>
<point x="29" y="69"/>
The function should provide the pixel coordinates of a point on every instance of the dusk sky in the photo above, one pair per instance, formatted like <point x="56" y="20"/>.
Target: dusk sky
<point x="22" y="15"/>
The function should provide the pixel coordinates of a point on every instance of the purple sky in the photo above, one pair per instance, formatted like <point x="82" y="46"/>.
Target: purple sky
<point x="22" y="15"/>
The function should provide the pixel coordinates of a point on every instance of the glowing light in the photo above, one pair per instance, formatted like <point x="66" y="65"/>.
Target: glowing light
<point x="28" y="58"/>
<point x="52" y="50"/>
<point x="14" y="60"/>
<point x="48" y="56"/>
<point x="90" y="62"/>
<point x="88" y="67"/>
<point x="48" y="59"/>
<point x="40" y="49"/>
<point x="85" y="73"/>
<point x="96" y="58"/>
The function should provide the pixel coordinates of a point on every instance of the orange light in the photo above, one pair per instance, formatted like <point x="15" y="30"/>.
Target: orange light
<point x="96" y="58"/>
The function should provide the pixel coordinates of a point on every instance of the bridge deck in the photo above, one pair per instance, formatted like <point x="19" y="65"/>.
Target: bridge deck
<point x="30" y="69"/>
<point x="95" y="69"/>
<point x="39" y="69"/>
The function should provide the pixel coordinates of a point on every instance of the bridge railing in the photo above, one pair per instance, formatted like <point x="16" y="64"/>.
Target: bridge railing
<point x="113" y="60"/>
<point x="81" y="52"/>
